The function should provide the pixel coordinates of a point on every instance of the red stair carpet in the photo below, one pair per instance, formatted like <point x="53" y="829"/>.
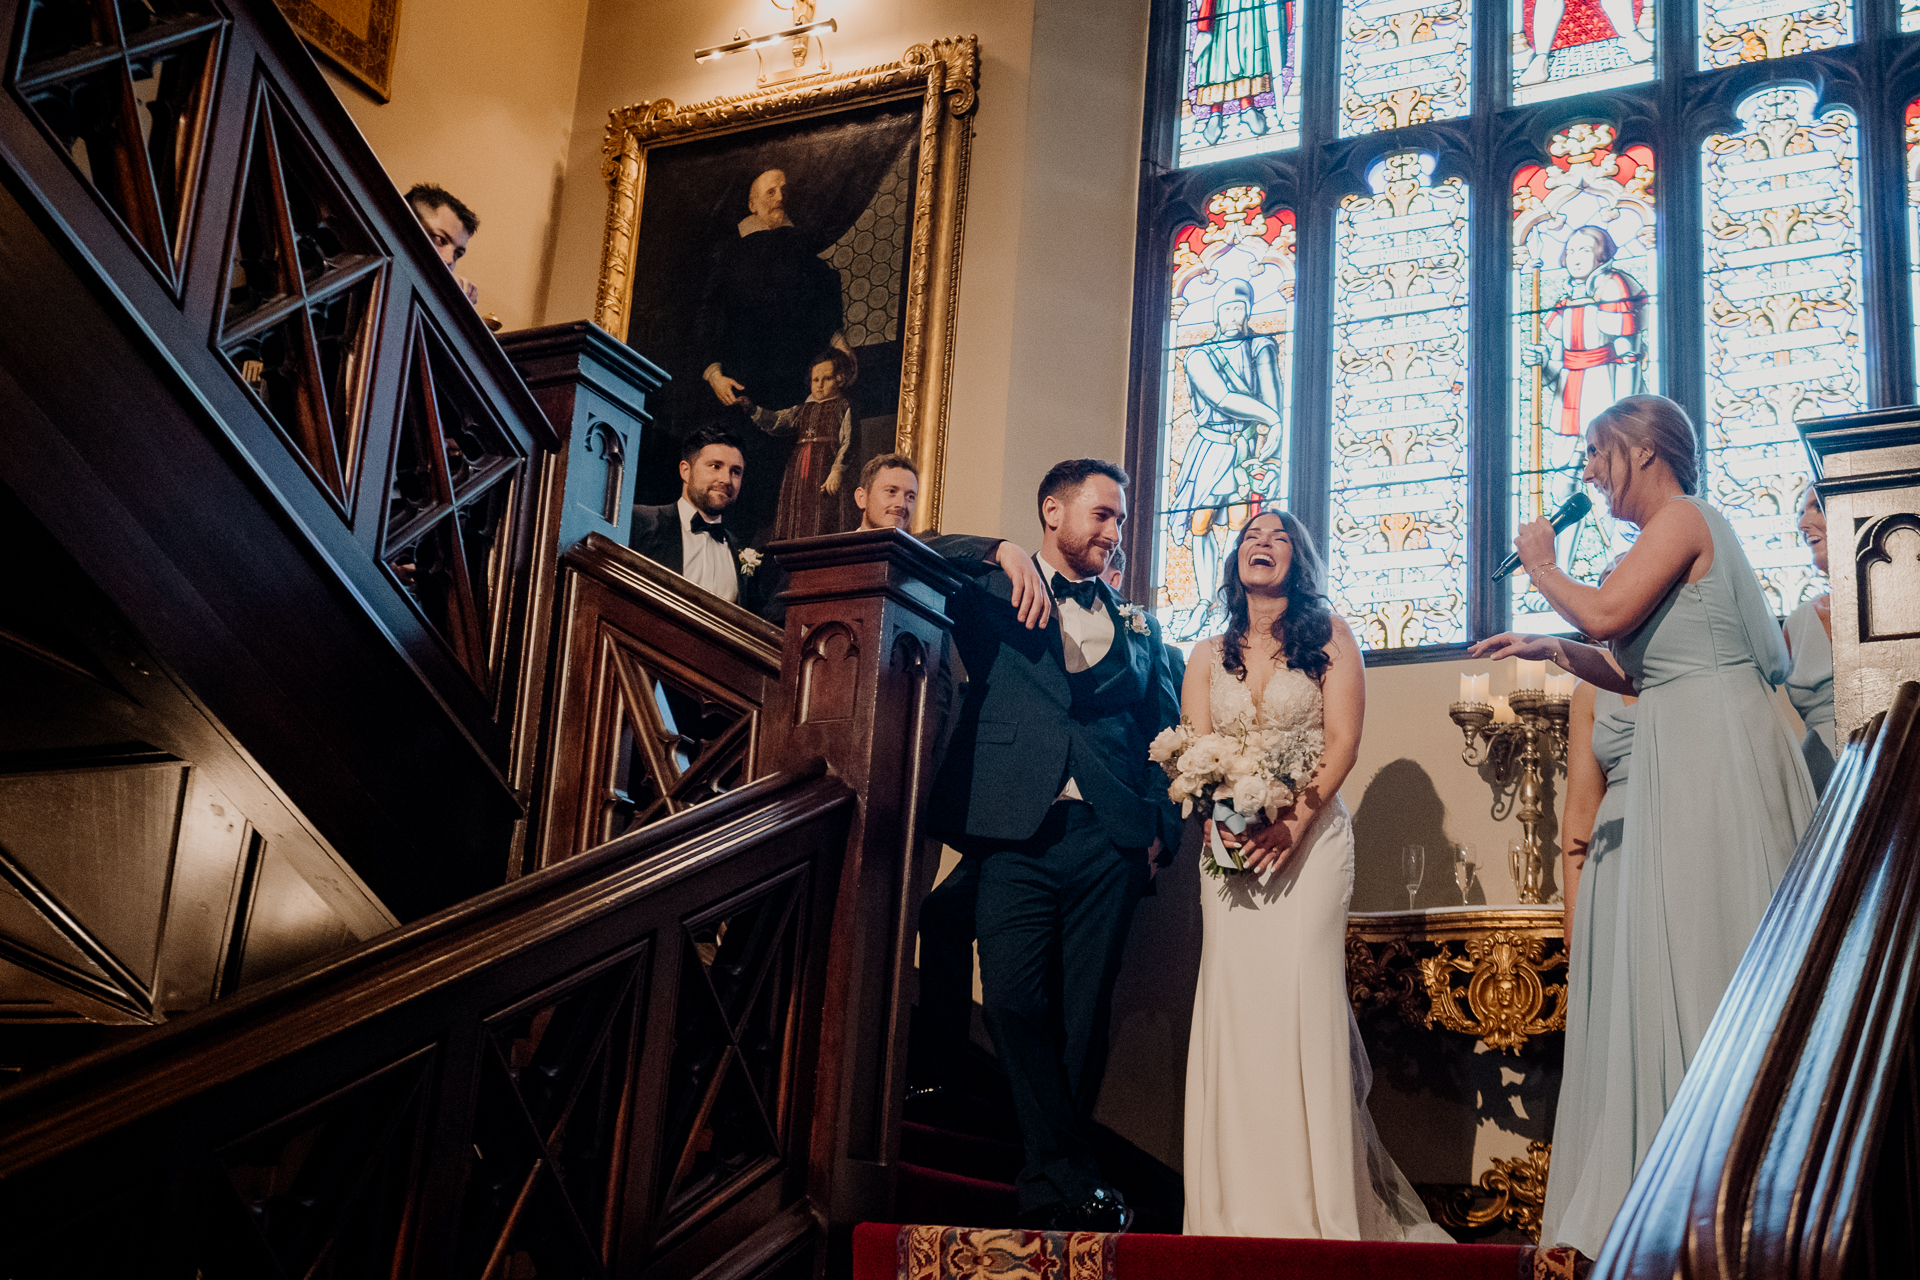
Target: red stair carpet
<point x="885" y="1252"/>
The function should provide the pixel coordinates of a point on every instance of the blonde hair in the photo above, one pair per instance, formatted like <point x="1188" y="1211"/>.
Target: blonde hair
<point x="1656" y="423"/>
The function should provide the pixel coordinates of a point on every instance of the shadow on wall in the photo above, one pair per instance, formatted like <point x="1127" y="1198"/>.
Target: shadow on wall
<point x="1434" y="1091"/>
<point x="1402" y="807"/>
<point x="1143" y="1098"/>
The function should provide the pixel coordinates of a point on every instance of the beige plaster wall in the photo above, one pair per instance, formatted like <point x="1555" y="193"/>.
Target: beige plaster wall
<point x="1040" y="368"/>
<point x="483" y="105"/>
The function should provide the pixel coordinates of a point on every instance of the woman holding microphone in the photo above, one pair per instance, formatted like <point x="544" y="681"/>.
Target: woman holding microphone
<point x="1717" y="794"/>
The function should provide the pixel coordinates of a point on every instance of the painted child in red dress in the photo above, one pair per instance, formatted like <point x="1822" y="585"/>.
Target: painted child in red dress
<point x="812" y="498"/>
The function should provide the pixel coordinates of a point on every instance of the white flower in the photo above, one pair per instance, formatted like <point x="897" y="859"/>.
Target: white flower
<point x="1205" y="754"/>
<point x="1169" y="743"/>
<point x="749" y="561"/>
<point x="1136" y="618"/>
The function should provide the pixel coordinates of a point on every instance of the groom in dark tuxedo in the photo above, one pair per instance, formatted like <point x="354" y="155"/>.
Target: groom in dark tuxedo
<point x="1047" y="784"/>
<point x="690" y="535"/>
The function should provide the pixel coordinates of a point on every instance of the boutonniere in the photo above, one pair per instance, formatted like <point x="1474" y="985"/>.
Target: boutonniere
<point x="749" y="561"/>
<point x="1136" y="618"/>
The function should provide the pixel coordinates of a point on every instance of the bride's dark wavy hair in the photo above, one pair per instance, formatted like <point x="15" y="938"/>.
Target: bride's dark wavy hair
<point x="1303" y="627"/>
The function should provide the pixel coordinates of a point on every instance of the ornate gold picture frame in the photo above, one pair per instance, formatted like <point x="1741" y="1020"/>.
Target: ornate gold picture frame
<point x="874" y="166"/>
<point x="355" y="35"/>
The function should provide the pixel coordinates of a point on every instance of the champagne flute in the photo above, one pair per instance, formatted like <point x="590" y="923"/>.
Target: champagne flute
<point x="1413" y="869"/>
<point x="1463" y="868"/>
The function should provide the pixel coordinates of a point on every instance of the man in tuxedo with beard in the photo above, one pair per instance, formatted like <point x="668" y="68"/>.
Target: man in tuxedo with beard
<point x="690" y="535"/>
<point x="1047" y="784"/>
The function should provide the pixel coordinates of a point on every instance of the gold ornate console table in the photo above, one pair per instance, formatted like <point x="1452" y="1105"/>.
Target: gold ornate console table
<point x="1424" y="966"/>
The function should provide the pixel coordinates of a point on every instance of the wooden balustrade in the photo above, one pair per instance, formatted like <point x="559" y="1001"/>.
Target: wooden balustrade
<point x="247" y="399"/>
<point x="604" y="1068"/>
<point x="865" y="682"/>
<point x="657" y="691"/>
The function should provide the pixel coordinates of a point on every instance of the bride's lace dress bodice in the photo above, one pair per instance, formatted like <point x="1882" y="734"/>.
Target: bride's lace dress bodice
<point x="1291" y="699"/>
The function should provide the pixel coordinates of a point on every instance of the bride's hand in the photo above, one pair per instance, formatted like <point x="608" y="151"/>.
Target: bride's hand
<point x="1269" y="845"/>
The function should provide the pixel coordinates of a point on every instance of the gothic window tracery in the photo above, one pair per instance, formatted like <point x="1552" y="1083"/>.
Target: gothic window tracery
<point x="1630" y="197"/>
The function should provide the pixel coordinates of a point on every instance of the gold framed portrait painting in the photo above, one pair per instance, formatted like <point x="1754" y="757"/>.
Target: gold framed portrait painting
<point x="355" y="35"/>
<point x="792" y="257"/>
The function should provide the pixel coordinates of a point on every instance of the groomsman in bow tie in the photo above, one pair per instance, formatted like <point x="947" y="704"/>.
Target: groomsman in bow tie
<point x="690" y="536"/>
<point x="1048" y="784"/>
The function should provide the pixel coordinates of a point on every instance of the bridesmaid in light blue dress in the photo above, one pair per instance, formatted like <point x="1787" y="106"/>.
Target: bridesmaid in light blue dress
<point x="1591" y="1169"/>
<point x="1717" y="794"/>
<point x="1810" y="638"/>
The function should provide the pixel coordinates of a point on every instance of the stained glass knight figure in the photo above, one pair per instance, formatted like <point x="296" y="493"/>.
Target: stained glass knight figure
<point x="1238" y="426"/>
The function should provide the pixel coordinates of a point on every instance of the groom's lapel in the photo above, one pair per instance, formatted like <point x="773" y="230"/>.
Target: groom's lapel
<point x="1139" y="657"/>
<point x="1056" y="684"/>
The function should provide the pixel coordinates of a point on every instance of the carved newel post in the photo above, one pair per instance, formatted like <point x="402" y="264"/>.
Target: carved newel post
<point x="862" y="684"/>
<point x="1870" y="486"/>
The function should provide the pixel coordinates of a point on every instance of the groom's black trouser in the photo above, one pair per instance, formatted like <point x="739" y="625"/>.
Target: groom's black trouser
<point x="1052" y="916"/>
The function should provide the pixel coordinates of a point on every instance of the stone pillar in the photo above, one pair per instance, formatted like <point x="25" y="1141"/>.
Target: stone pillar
<point x="1870" y="484"/>
<point x="864" y="682"/>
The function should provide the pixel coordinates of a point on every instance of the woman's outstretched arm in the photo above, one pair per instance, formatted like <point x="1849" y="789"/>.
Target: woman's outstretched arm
<point x="1594" y="665"/>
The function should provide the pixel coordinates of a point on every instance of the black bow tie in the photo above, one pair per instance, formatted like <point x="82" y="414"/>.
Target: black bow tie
<point x="713" y="528"/>
<point x="1085" y="593"/>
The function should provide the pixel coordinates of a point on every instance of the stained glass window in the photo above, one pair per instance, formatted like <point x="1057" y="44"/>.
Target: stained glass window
<point x="1782" y="258"/>
<point x="1910" y="15"/>
<point x="1913" y="222"/>
<point x="1241" y="93"/>
<point x="1584" y="272"/>
<point x="1736" y="31"/>
<point x="1578" y="46"/>
<point x="1404" y="62"/>
<point x="1227" y="379"/>
<point x="1397" y="541"/>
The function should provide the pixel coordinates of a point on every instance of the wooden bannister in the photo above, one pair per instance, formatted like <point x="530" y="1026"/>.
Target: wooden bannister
<point x="864" y="682"/>
<point x="604" y="1068"/>
<point x="245" y="396"/>
<point x="657" y="691"/>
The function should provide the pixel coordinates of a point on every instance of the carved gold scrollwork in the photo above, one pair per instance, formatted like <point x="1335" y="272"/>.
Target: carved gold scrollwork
<point x="1390" y="980"/>
<point x="1511" y="1193"/>
<point x="1504" y="991"/>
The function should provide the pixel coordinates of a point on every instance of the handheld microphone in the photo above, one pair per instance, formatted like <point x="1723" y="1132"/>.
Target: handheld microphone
<point x="1571" y="512"/>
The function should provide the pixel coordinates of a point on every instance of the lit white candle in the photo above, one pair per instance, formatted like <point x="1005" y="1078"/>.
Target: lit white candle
<point x="1483" y="689"/>
<point x="1502" y="713"/>
<point x="1466" y="687"/>
<point x="1529" y="675"/>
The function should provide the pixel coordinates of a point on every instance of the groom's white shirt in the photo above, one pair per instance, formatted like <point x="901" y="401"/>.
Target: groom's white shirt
<point x="1085" y="637"/>
<point x="1085" y="634"/>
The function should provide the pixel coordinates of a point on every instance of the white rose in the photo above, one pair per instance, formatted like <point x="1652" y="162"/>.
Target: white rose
<point x="1168" y="743"/>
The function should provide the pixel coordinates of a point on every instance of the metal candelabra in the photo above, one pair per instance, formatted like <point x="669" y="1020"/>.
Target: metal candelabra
<point x="1525" y="748"/>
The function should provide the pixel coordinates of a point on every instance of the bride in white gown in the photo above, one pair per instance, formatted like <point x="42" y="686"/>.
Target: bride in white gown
<point x="1278" y="1138"/>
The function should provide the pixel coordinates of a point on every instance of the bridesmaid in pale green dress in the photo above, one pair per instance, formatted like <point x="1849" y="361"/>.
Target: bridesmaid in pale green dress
<point x="1717" y="794"/>
<point x="1810" y="640"/>
<point x="1585" y="1164"/>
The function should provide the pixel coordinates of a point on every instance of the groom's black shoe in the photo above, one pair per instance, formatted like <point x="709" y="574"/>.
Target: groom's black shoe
<point x="1103" y="1210"/>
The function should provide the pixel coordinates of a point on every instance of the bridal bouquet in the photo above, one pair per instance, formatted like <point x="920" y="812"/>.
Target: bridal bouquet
<point x="1238" y="778"/>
